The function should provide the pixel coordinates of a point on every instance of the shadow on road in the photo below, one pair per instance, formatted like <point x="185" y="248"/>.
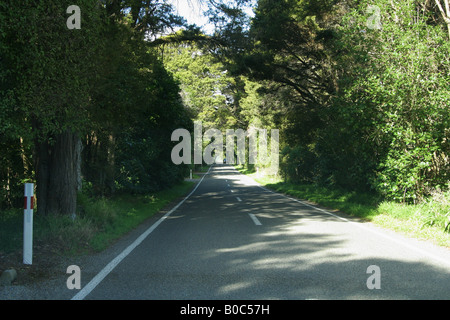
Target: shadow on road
<point x="300" y="253"/>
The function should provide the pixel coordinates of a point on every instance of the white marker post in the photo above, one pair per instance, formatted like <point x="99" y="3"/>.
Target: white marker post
<point x="28" y="224"/>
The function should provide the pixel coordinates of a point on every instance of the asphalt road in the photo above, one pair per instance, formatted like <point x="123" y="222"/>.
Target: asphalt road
<point x="232" y="239"/>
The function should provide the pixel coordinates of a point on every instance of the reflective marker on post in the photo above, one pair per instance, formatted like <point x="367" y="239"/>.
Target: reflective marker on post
<point x="28" y="224"/>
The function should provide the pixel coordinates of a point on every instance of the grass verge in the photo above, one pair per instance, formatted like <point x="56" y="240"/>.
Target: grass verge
<point x="98" y="223"/>
<point x="429" y="220"/>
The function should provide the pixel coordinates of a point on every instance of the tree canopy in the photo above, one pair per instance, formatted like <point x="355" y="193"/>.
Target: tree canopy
<point x="358" y="89"/>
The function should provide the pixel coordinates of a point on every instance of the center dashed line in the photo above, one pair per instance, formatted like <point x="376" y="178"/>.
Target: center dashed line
<point x="255" y="219"/>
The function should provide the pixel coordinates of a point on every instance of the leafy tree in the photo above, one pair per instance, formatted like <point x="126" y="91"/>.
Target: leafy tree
<point x="286" y="50"/>
<point x="367" y="105"/>
<point x="394" y="85"/>
<point x="61" y="85"/>
<point x="127" y="149"/>
<point x="203" y="81"/>
<point x="51" y="66"/>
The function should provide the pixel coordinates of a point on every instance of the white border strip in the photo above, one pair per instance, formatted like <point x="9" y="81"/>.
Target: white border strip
<point x="359" y="225"/>
<point x="110" y="266"/>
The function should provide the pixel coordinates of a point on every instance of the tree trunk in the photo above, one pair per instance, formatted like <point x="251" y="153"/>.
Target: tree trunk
<point x="42" y="175"/>
<point x="58" y="175"/>
<point x="110" y="167"/>
<point x="78" y="151"/>
<point x="445" y="14"/>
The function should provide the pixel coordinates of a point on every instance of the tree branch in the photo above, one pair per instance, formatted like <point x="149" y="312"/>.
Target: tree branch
<point x="446" y="16"/>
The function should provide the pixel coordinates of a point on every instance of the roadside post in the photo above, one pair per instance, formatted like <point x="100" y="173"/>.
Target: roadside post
<point x="28" y="224"/>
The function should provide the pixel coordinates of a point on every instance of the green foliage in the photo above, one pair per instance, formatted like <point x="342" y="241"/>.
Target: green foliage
<point x="101" y="83"/>
<point x="298" y="164"/>
<point x="135" y="107"/>
<point x="400" y="88"/>
<point x="50" y="65"/>
<point x="143" y="149"/>
<point x="45" y="75"/>
<point x="360" y="108"/>
<point x="206" y="86"/>
<point x="435" y="211"/>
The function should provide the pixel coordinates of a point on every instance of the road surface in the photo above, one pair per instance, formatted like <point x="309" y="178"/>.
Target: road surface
<point x="232" y="239"/>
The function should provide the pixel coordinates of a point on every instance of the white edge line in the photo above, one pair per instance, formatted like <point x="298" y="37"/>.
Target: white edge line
<point x="110" y="266"/>
<point x="255" y="219"/>
<point x="411" y="247"/>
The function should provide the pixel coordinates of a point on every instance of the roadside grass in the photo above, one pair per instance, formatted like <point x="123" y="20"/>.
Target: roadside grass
<point x="11" y="230"/>
<point x="197" y="171"/>
<point x="128" y="211"/>
<point x="429" y="220"/>
<point x="99" y="222"/>
<point x="200" y="168"/>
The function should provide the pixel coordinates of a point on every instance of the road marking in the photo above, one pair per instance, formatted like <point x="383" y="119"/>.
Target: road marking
<point x="238" y="199"/>
<point x="110" y="266"/>
<point x="361" y="226"/>
<point x="255" y="219"/>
